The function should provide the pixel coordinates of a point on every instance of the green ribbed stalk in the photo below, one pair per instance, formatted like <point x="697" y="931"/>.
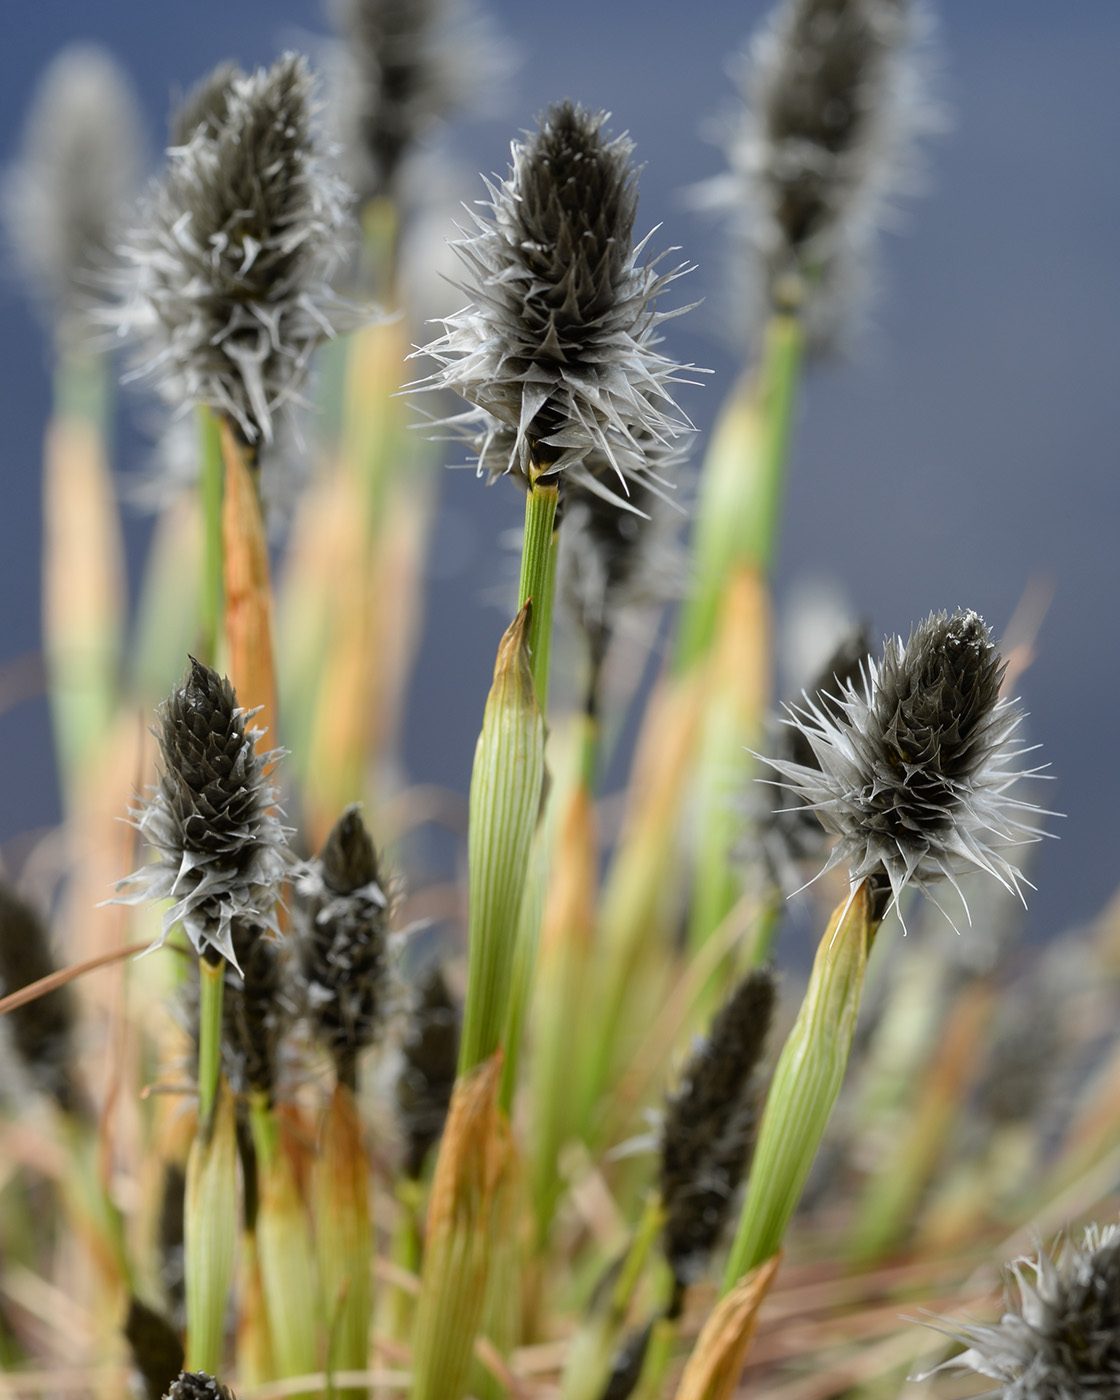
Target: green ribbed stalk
<point x="805" y="1085"/>
<point x="742" y="484"/>
<point x="538" y="578"/>
<point x="504" y="805"/>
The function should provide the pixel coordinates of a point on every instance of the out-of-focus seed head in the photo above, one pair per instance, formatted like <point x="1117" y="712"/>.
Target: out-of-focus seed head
<point x="914" y="761"/>
<point x="1059" y="1338"/>
<point x="156" y="1346"/>
<point x="708" y="1132"/>
<point x="557" y="349"/>
<point x="221" y="851"/>
<point x="831" y="102"/>
<point x="782" y="842"/>
<point x="226" y="287"/>
<point x="256" y="1010"/>
<point x="430" y="1057"/>
<point x="41" y="1033"/>
<point x="78" y="169"/>
<point x="405" y="66"/>
<point x="613" y="559"/>
<point x="344" y="952"/>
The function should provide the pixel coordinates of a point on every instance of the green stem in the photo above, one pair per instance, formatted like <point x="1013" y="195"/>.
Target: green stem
<point x="806" y="1083"/>
<point x="741" y="485"/>
<point x="210" y="477"/>
<point x="781" y="368"/>
<point x="538" y="578"/>
<point x="212" y="982"/>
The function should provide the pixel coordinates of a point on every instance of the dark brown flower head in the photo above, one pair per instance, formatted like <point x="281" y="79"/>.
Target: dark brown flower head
<point x="344" y="944"/>
<point x="80" y="165"/>
<point x="831" y="103"/>
<point x="431" y="1056"/>
<point x="41" y="1032"/>
<point x="221" y="849"/>
<point x="227" y="289"/>
<point x="557" y="348"/>
<point x="912" y="761"/>
<point x="708" y="1133"/>
<point x="1059" y="1338"/>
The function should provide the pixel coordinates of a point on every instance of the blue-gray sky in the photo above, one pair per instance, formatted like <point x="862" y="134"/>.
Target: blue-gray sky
<point x="968" y="446"/>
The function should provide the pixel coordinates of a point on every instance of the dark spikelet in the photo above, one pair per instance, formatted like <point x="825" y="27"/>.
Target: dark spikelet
<point x="77" y="173"/>
<point x="820" y="103"/>
<point x="912" y="761"/>
<point x="783" y="840"/>
<point x="157" y="1349"/>
<point x="255" y="1013"/>
<point x="222" y="852"/>
<point x="226" y="289"/>
<point x="205" y="109"/>
<point x="344" y="944"/>
<point x="708" y="1133"/>
<point x="42" y="1031"/>
<point x="626" y="1366"/>
<point x="197" y="1385"/>
<point x="832" y="99"/>
<point x="557" y="350"/>
<point x="431" y="1055"/>
<point x="1059" y="1336"/>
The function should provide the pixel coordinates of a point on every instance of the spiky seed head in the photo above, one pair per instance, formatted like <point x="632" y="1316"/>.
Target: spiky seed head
<point x="407" y="66"/>
<point x="211" y="821"/>
<point x="430" y="1057"/>
<point x="41" y="1032"/>
<point x="832" y="99"/>
<point x="915" y="761"/>
<point x="78" y="169"/>
<point x="197" y="1385"/>
<point x="708" y="1132"/>
<point x="226" y="282"/>
<point x="343" y="916"/>
<point x="557" y="349"/>
<point x="1059" y="1338"/>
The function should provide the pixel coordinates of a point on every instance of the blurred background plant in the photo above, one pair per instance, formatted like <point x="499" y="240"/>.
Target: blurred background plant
<point x="625" y="882"/>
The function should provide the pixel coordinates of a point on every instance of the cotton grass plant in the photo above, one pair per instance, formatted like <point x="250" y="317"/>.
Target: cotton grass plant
<point x="333" y="1150"/>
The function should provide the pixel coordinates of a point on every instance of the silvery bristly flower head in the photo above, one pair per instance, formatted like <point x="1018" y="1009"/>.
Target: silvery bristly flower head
<point x="79" y="166"/>
<point x="917" y="761"/>
<point x="1059" y="1338"/>
<point x="557" y="350"/>
<point x="833" y="95"/>
<point x="227" y="276"/>
<point x="211" y="821"/>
